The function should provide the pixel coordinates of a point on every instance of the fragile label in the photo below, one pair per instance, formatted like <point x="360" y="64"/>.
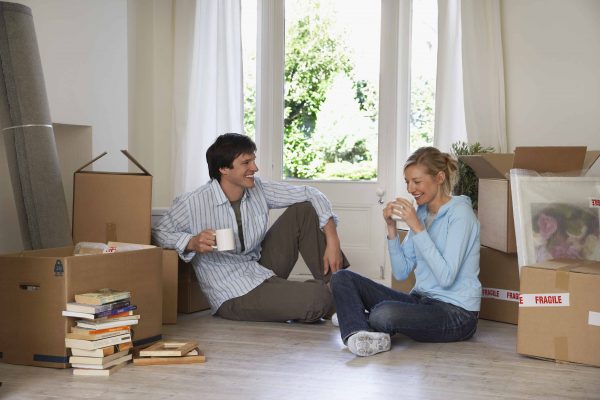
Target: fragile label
<point x="544" y="300"/>
<point x="594" y="318"/>
<point x="594" y="203"/>
<point x="500" y="294"/>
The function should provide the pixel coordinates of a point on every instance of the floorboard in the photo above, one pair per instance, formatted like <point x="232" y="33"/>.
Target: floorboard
<point x="298" y="361"/>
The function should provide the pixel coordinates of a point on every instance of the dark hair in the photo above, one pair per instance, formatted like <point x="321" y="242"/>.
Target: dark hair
<point x="435" y="161"/>
<point x="224" y="150"/>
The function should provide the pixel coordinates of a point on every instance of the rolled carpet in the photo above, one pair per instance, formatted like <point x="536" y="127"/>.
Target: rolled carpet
<point x="27" y="131"/>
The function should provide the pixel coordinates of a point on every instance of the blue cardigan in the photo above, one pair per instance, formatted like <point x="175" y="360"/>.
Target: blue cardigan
<point x="445" y="257"/>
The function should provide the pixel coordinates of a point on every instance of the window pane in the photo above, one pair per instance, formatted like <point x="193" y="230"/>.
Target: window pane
<point x="249" y="39"/>
<point x="423" y="73"/>
<point x="331" y="81"/>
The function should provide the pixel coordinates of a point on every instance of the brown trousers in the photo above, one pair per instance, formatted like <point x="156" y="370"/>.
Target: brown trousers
<point x="295" y="232"/>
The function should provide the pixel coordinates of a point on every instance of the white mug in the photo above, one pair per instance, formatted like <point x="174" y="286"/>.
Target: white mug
<point x="397" y="217"/>
<point x="398" y="207"/>
<point x="225" y="239"/>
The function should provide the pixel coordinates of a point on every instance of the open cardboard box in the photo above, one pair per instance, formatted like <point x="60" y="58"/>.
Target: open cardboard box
<point x="112" y="206"/>
<point x="36" y="285"/>
<point x="495" y="211"/>
<point x="117" y="207"/>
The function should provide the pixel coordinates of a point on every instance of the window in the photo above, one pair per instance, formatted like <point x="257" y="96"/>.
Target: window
<point x="331" y="57"/>
<point x="249" y="32"/>
<point x="423" y="73"/>
<point x="331" y="83"/>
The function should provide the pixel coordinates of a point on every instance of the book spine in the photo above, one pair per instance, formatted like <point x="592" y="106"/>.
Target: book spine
<point x="100" y="331"/>
<point x="115" y="311"/>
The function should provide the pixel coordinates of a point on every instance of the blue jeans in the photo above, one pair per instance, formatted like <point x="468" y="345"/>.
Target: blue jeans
<point x="364" y="305"/>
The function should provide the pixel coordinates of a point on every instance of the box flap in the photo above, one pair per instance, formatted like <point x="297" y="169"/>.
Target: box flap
<point x="550" y="158"/>
<point x="490" y="165"/>
<point x="126" y="153"/>
<point x="577" y="266"/>
<point x="133" y="160"/>
<point x="590" y="158"/>
<point x="89" y="163"/>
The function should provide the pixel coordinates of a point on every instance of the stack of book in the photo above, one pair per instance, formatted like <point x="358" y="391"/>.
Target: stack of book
<point x="100" y="342"/>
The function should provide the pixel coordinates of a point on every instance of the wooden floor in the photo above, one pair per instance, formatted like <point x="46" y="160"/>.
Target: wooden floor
<point x="297" y="361"/>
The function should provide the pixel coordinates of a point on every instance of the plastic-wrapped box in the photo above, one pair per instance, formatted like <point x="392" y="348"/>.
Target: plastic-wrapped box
<point x="556" y="217"/>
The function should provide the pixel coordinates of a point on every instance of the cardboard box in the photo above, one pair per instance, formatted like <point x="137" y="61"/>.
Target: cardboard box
<point x="495" y="211"/>
<point x="499" y="276"/>
<point x="112" y="206"/>
<point x="559" y="311"/>
<point x="36" y="285"/>
<point x="169" y="280"/>
<point x="189" y="295"/>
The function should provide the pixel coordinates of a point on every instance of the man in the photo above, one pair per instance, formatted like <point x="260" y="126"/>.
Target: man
<point x="250" y="282"/>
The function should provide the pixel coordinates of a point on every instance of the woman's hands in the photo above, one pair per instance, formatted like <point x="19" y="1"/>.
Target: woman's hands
<point x="402" y="209"/>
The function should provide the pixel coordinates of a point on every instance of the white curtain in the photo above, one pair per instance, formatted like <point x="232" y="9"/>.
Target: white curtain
<point x="208" y="93"/>
<point x="474" y="27"/>
<point x="450" y="126"/>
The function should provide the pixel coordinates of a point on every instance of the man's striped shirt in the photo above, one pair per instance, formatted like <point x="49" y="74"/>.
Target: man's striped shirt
<point x="230" y="274"/>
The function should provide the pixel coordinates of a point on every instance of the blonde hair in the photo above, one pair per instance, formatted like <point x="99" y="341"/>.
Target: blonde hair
<point x="435" y="161"/>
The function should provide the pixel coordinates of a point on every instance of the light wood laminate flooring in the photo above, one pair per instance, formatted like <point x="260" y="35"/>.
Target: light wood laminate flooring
<point x="248" y="360"/>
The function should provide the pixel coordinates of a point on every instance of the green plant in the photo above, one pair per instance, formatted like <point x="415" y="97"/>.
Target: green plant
<point x="467" y="180"/>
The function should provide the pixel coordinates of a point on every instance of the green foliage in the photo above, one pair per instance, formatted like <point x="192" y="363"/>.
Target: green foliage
<point x="364" y="170"/>
<point x="422" y="99"/>
<point x="468" y="183"/>
<point x="365" y="93"/>
<point x="250" y="112"/>
<point x="314" y="56"/>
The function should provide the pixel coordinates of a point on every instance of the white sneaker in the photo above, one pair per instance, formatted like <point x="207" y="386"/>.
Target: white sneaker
<point x="334" y="320"/>
<point x="365" y="343"/>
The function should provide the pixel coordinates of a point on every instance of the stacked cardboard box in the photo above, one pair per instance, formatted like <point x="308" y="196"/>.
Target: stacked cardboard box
<point x="189" y="295"/>
<point x="499" y="267"/>
<point x="117" y="207"/>
<point x="559" y="311"/>
<point x="35" y="285"/>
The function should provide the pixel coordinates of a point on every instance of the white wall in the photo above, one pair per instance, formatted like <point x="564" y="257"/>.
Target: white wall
<point x="150" y="26"/>
<point x="552" y="72"/>
<point x="83" y="47"/>
<point x="107" y="64"/>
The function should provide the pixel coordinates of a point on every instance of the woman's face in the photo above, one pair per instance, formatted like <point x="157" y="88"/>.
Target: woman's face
<point x="422" y="186"/>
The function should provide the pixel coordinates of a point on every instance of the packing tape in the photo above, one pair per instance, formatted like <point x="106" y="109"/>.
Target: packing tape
<point x="561" y="348"/>
<point x="27" y="126"/>
<point x="594" y="318"/>
<point x="561" y="281"/>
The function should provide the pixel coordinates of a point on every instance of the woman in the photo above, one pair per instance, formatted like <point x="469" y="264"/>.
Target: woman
<point x="442" y="247"/>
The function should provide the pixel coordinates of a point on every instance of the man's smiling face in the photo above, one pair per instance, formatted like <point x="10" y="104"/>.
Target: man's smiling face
<point x="241" y="173"/>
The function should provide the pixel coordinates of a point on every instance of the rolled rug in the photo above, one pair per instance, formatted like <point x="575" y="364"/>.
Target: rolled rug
<point x="27" y="132"/>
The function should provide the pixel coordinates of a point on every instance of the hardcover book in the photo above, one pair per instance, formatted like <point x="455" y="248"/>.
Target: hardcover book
<point x="110" y="323"/>
<point x="95" y="334"/>
<point x="119" y="312"/>
<point x="97" y="344"/>
<point x="98" y="372"/>
<point x="92" y="309"/>
<point x="102" y="352"/>
<point x="102" y="296"/>
<point x="103" y="366"/>
<point x="98" y="361"/>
